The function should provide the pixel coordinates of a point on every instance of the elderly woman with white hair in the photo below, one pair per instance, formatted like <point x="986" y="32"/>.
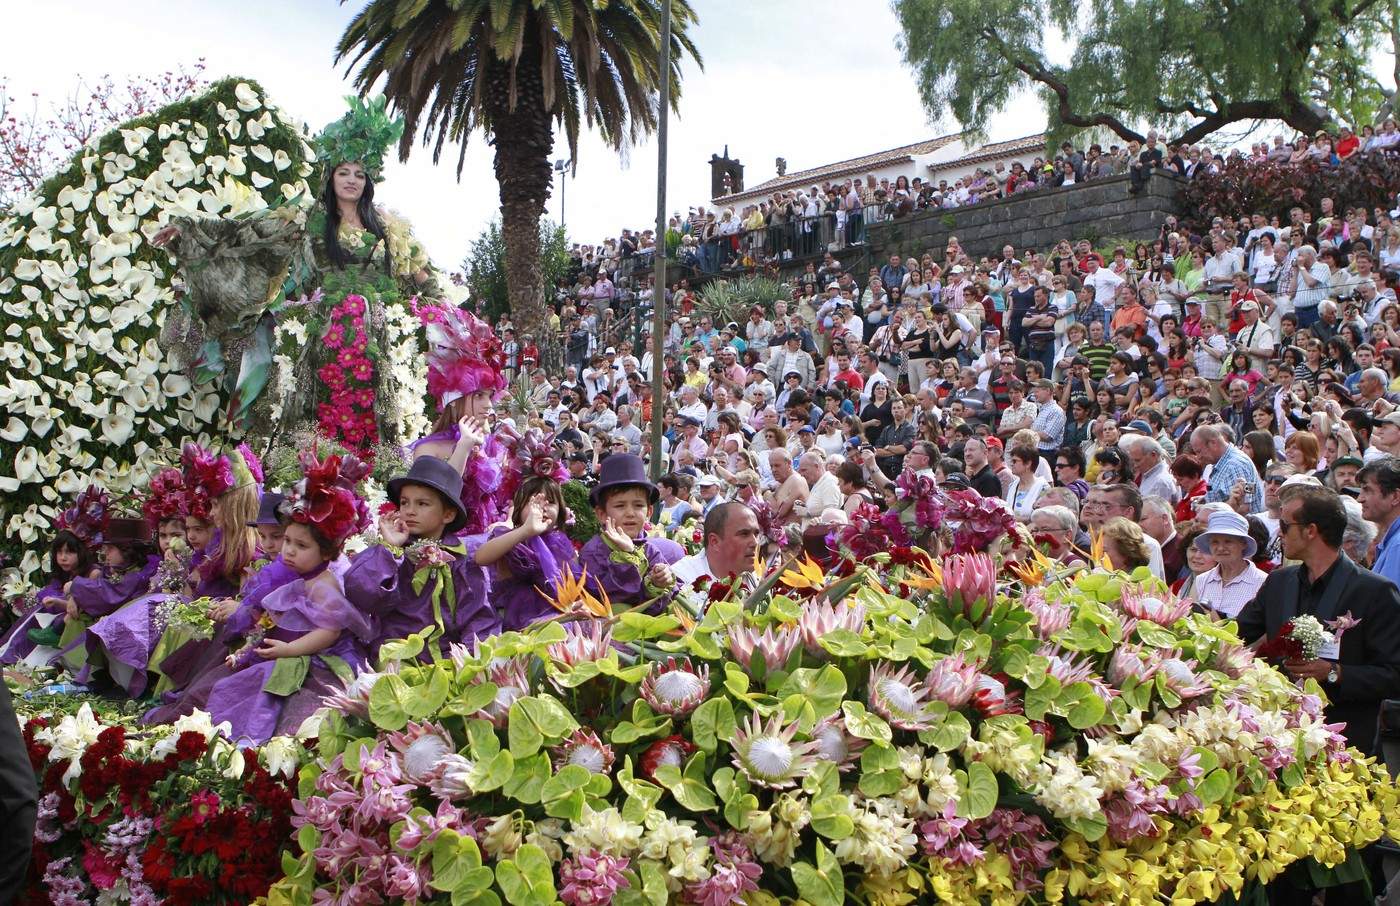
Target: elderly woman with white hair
<point x="1356" y="540"/>
<point x="1234" y="580"/>
<point x="1054" y="527"/>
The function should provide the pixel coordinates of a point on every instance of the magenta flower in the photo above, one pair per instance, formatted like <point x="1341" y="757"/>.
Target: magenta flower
<point x="203" y="806"/>
<point x="591" y="878"/>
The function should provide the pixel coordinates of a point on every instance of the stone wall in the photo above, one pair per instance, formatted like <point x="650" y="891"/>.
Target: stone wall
<point x="1096" y="211"/>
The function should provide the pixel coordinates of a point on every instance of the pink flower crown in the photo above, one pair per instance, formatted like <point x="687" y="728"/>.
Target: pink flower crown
<point x="207" y="477"/>
<point x="464" y="354"/>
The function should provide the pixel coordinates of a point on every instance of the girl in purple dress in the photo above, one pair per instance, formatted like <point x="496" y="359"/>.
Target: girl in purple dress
<point x="123" y="641"/>
<point x="450" y="601"/>
<point x="127" y="568"/>
<point x="527" y="558"/>
<point x="33" y="639"/>
<point x="309" y="639"/>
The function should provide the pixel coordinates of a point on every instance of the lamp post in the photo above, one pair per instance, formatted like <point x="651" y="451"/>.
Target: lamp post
<point x="658" y="283"/>
<point x="560" y="166"/>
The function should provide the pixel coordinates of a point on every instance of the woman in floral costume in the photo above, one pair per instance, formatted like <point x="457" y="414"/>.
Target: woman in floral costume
<point x="336" y="340"/>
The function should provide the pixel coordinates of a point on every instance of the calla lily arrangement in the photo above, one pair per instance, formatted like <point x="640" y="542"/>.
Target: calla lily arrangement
<point x="897" y="733"/>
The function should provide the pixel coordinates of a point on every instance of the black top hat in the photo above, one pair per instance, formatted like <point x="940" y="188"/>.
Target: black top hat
<point x="267" y="509"/>
<point x="438" y="474"/>
<point x="126" y="530"/>
<point x="623" y="470"/>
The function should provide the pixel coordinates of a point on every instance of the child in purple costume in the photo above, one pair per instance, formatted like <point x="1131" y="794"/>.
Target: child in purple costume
<point x="527" y="561"/>
<point x="621" y="561"/>
<point x="69" y="558"/>
<point x="420" y="535"/>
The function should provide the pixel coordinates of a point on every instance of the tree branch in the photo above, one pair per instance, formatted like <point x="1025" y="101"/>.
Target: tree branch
<point x="1036" y="71"/>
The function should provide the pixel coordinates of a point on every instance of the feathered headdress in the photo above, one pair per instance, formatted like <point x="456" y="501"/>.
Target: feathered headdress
<point x="87" y="517"/>
<point x="247" y="468"/>
<point x="165" y="497"/>
<point x="532" y="453"/>
<point x="464" y="353"/>
<point x="326" y="499"/>
<point x="207" y="477"/>
<point x="362" y="136"/>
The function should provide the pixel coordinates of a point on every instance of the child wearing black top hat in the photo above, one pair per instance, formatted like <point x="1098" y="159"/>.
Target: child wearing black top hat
<point x="622" y="561"/>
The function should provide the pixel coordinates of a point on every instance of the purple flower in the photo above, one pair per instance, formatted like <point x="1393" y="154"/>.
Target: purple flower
<point x="1130" y="812"/>
<point x="591" y="878"/>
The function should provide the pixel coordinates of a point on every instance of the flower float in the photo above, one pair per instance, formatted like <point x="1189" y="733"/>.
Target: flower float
<point x="888" y="733"/>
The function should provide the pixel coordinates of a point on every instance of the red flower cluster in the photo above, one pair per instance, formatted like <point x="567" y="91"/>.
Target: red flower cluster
<point x="1282" y="647"/>
<point x="213" y="840"/>
<point x="348" y="415"/>
<point x="166" y="499"/>
<point x="207" y="477"/>
<point x="325" y="498"/>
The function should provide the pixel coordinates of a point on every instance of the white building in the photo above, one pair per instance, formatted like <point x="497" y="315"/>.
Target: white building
<point x="947" y="157"/>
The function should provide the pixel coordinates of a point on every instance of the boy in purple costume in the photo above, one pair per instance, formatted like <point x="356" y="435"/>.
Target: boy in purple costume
<point x="420" y="535"/>
<point x="621" y="561"/>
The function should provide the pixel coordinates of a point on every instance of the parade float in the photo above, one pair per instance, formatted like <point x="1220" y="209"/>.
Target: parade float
<point x="901" y="731"/>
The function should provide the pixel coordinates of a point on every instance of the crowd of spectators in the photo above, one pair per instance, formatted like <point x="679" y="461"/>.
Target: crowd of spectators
<point x="1136" y="393"/>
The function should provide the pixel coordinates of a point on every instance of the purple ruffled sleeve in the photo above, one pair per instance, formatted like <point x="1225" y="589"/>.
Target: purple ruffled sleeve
<point x="302" y="606"/>
<point x="271" y="577"/>
<point x="99" y="597"/>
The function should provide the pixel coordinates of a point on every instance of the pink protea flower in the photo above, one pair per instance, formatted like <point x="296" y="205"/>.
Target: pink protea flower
<point x="819" y="618"/>
<point x="511" y="679"/>
<point x="672" y="750"/>
<point x="968" y="579"/>
<point x="1051" y="618"/>
<point x="898" y="697"/>
<point x="1131" y="661"/>
<point x="421" y="748"/>
<point x="584" y="748"/>
<point x="993" y="698"/>
<point x="1066" y="667"/>
<point x="836" y="744"/>
<point x="452" y="780"/>
<point x="591" y="878"/>
<point x="952" y="681"/>
<point x="1233" y="660"/>
<point x="584" y="644"/>
<point x="1181" y="676"/>
<point x="767" y="755"/>
<point x="1142" y="606"/>
<point x="776" y="645"/>
<point x="675" y="687"/>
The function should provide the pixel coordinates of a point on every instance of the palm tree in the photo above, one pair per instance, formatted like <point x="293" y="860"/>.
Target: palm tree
<point x="514" y="69"/>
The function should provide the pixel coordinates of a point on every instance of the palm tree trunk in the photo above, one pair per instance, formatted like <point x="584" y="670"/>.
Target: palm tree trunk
<point x="524" y="137"/>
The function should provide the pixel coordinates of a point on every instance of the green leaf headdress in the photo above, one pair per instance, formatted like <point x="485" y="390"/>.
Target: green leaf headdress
<point x="362" y="135"/>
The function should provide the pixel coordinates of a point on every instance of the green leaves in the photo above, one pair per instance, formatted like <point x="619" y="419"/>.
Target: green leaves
<point x="711" y="722"/>
<point x="527" y="879"/>
<point x="535" y="721"/>
<point x="863" y="724"/>
<point x="413" y="694"/>
<point x="689" y="787"/>
<point x="822" y="884"/>
<point x="977" y="791"/>
<point x="563" y="794"/>
<point x="809" y="694"/>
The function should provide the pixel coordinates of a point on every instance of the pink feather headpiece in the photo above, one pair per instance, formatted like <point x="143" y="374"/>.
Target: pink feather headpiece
<point x="464" y="353"/>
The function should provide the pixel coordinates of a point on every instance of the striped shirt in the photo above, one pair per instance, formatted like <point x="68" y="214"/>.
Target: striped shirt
<point x="1098" y="357"/>
<point x="1228" y="597"/>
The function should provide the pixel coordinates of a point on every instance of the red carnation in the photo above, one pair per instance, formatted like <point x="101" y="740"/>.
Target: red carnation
<point x="190" y="745"/>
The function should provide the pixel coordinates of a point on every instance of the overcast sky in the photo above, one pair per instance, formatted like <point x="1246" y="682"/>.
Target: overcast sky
<point x="813" y="81"/>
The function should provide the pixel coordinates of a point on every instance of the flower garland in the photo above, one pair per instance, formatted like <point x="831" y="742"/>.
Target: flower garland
<point x="348" y="415"/>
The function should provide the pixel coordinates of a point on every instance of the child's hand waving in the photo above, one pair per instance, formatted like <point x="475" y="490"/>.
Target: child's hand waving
<point x="617" y="537"/>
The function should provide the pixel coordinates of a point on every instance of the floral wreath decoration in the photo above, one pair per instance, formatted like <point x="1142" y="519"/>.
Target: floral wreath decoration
<point x="325" y="497"/>
<point x="207" y="476"/>
<point x="464" y="354"/>
<point x="166" y="498"/>
<point x="533" y="453"/>
<point x="363" y="135"/>
<point x="87" y="518"/>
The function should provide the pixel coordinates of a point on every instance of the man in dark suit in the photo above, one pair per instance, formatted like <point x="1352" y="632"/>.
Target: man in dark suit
<point x="1365" y="670"/>
<point x="17" y="802"/>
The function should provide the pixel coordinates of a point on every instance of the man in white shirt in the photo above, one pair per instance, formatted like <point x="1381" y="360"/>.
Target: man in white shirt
<point x="1149" y="461"/>
<point x="1104" y="282"/>
<point x="692" y="405"/>
<point x="1219" y="275"/>
<point x="1314" y="281"/>
<point x="823" y="489"/>
<point x="1256" y="338"/>
<point x="731" y="544"/>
